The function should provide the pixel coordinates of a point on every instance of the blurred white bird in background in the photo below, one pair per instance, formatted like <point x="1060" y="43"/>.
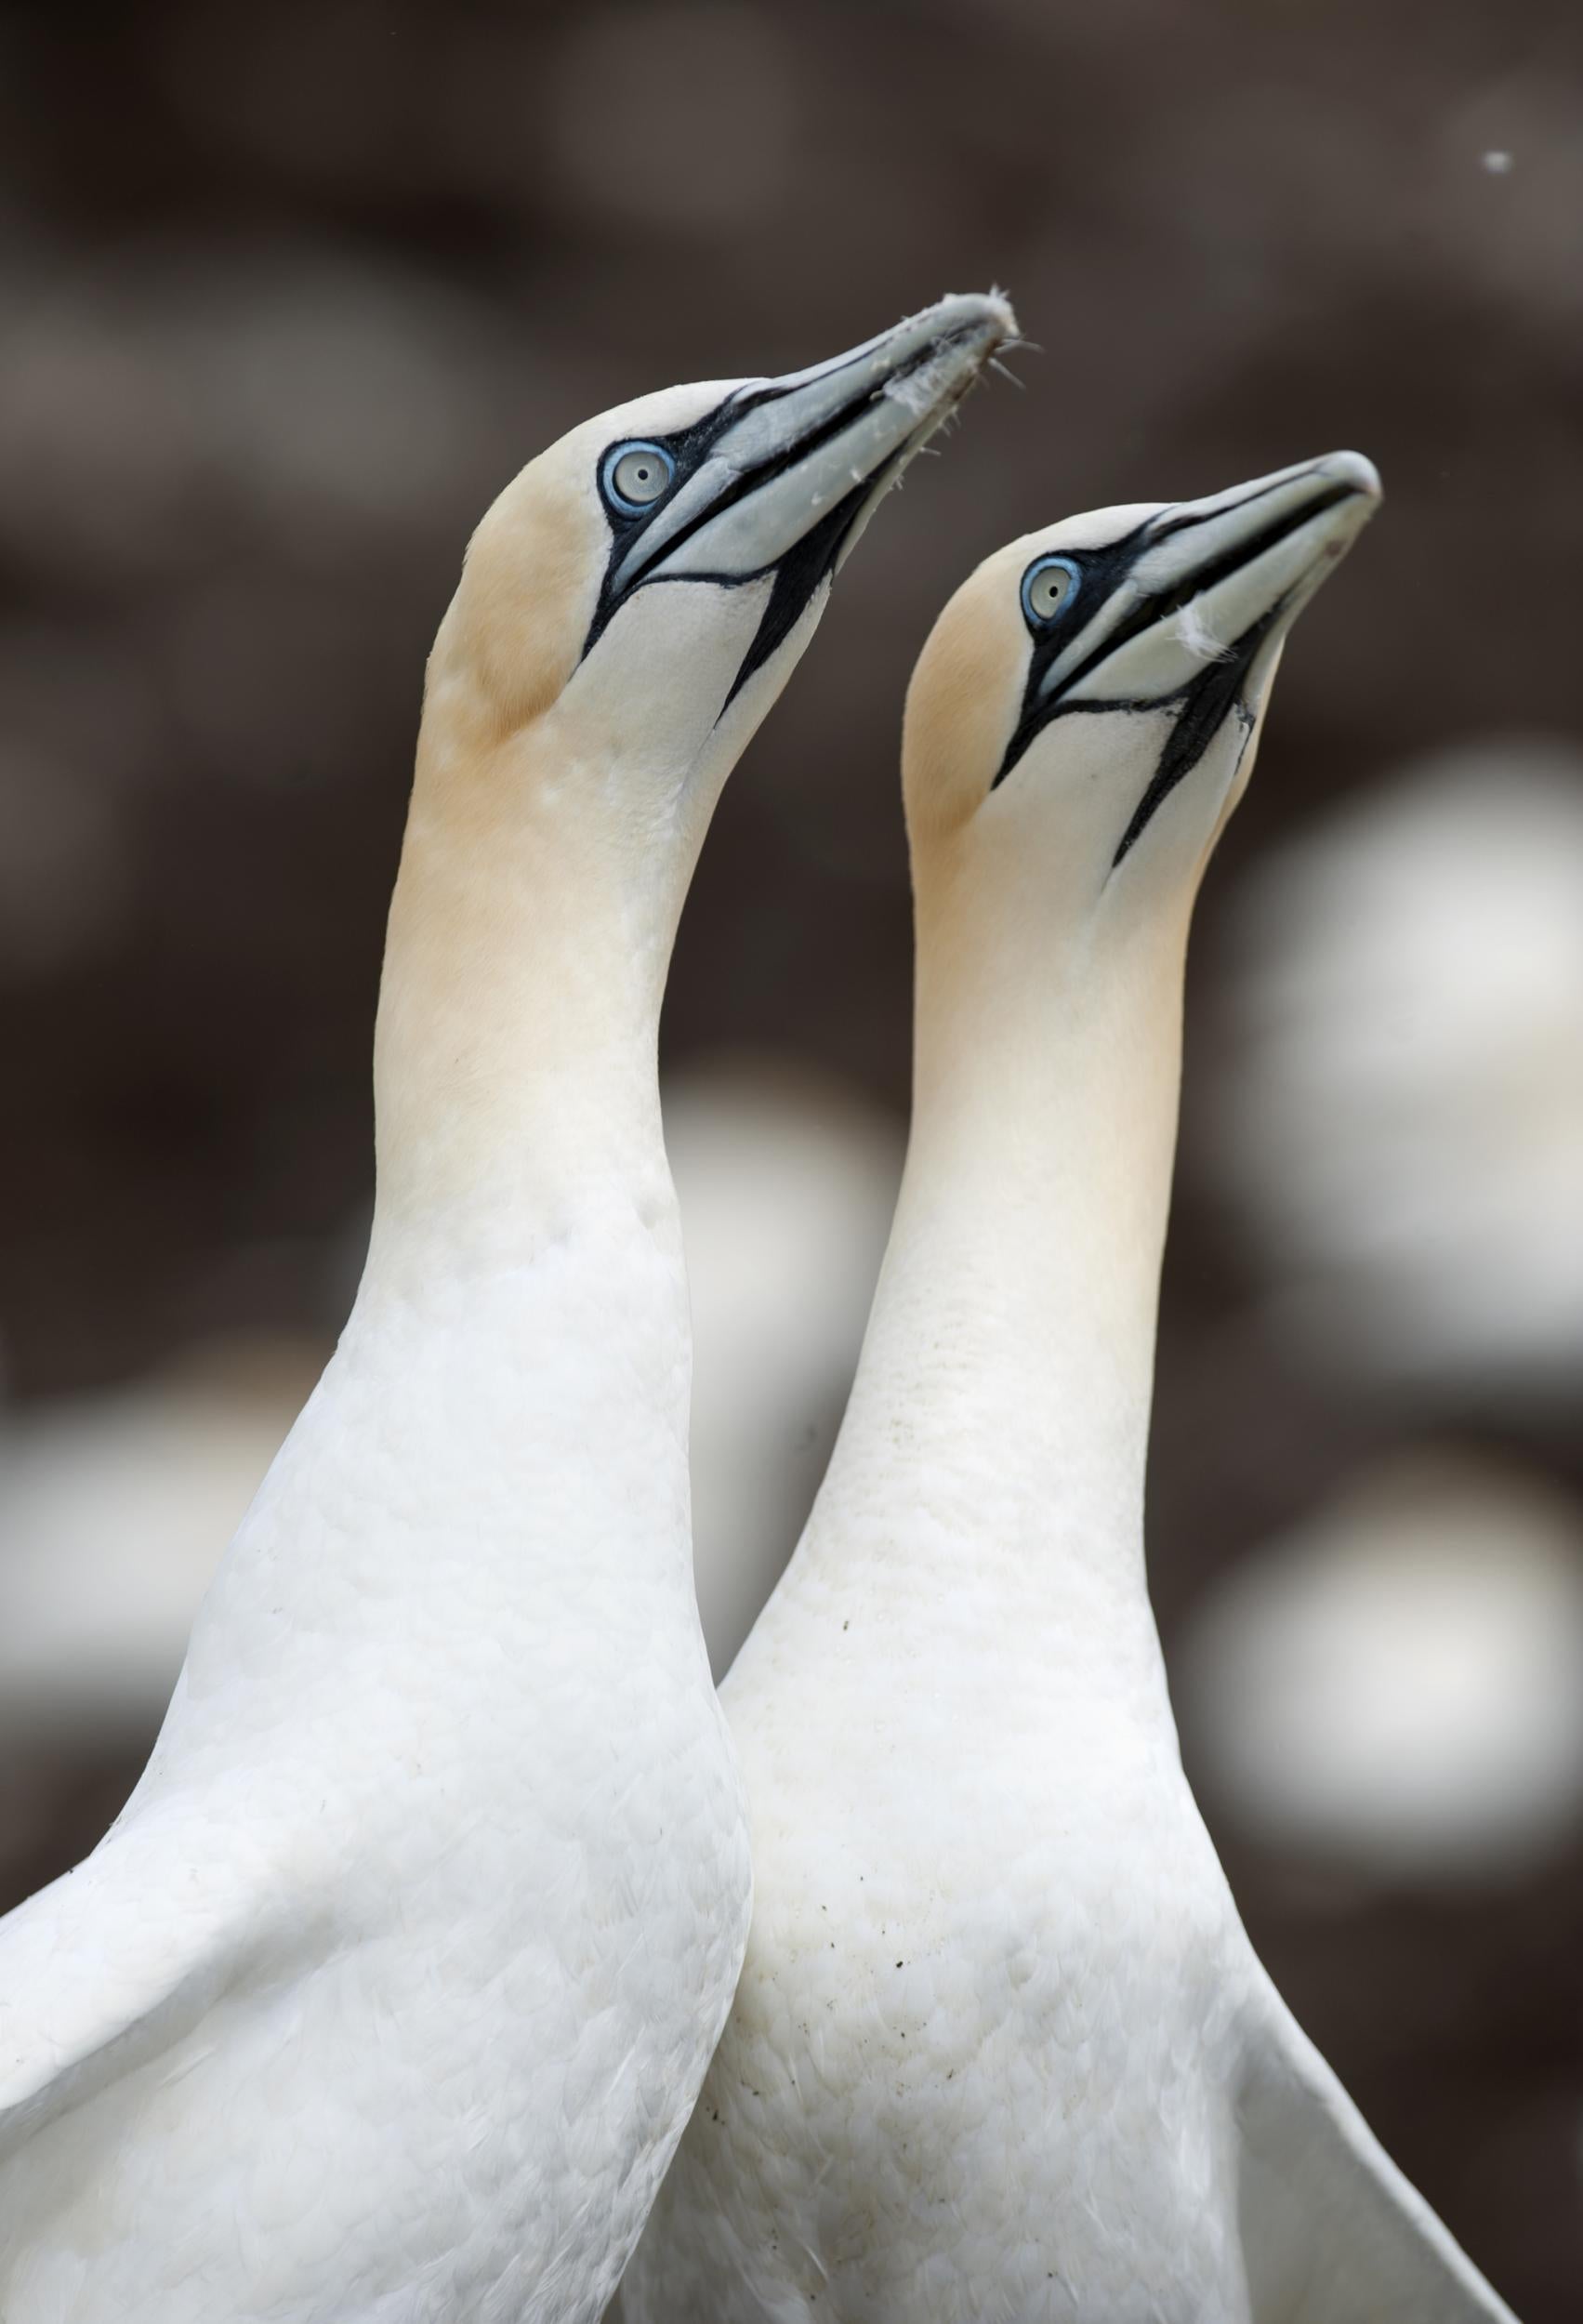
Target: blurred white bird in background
<point x="1394" y="1687"/>
<point x="1401" y="1120"/>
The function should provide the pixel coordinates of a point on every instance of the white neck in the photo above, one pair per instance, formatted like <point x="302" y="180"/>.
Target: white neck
<point x="530" y="936"/>
<point x="1001" y="1415"/>
<point x="510" y="1399"/>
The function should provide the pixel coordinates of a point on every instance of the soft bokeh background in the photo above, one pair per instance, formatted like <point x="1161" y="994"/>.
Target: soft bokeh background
<point x="286" y="294"/>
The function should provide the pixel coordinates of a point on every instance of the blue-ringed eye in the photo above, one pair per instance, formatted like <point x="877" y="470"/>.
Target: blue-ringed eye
<point x="1049" y="587"/>
<point x="636" y="475"/>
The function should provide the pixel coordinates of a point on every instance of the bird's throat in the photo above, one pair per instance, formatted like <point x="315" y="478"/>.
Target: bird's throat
<point x="515" y="1072"/>
<point x="1012" y="1340"/>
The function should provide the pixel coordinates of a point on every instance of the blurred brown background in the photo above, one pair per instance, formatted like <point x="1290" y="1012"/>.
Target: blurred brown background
<point x="287" y="293"/>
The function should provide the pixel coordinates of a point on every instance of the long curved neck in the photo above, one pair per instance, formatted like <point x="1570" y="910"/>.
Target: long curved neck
<point x="529" y="939"/>
<point x="1002" y="1401"/>
<point x="501" y="1433"/>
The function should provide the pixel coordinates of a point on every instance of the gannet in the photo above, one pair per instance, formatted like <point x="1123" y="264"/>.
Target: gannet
<point x="1001" y="2049"/>
<point x="388" y="1994"/>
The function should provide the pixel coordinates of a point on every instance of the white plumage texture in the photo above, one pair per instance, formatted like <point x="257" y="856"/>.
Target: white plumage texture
<point x="370" y="2004"/>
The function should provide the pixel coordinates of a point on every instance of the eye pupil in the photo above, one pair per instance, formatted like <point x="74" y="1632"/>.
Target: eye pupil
<point x="638" y="475"/>
<point x="1047" y="586"/>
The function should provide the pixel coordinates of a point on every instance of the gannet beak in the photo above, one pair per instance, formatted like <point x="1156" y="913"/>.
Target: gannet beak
<point x="1219" y="580"/>
<point x="806" y="452"/>
<point x="781" y="478"/>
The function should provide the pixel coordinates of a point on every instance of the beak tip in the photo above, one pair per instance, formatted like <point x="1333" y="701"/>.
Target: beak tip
<point x="986" y="313"/>
<point x="1354" y="469"/>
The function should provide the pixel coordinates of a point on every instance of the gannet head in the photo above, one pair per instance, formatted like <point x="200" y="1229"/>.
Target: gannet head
<point x="642" y="589"/>
<point x="1112" y="672"/>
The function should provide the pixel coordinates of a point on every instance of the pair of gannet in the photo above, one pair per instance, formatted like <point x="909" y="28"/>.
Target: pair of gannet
<point x="1001" y="2049"/>
<point x="389" y="1995"/>
<point x="387" y="1998"/>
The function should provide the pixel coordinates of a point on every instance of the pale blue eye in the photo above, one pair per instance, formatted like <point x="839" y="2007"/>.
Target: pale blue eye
<point x="636" y="475"/>
<point x="1049" y="587"/>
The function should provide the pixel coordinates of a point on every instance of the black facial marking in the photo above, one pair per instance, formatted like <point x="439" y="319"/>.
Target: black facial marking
<point x="797" y="573"/>
<point x="1101" y="572"/>
<point x="689" y="447"/>
<point x="798" y="576"/>
<point x="1203" y="704"/>
<point x="1207" y="701"/>
<point x="801" y="572"/>
<point x="1185" y="518"/>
